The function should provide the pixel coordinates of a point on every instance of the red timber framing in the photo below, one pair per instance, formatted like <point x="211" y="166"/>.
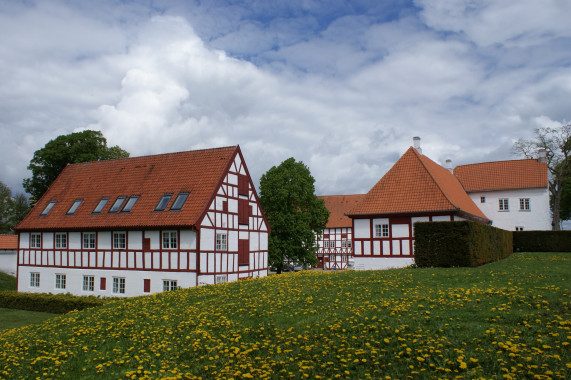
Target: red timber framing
<point x="400" y="239"/>
<point x="335" y="248"/>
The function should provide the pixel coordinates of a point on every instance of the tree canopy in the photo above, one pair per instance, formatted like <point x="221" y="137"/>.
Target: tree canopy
<point x="295" y="214"/>
<point x="557" y="145"/>
<point x="74" y="148"/>
<point x="12" y="209"/>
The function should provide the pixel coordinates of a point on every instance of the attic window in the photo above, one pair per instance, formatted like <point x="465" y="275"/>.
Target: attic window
<point x="117" y="205"/>
<point x="179" y="201"/>
<point x="100" y="205"/>
<point x="163" y="202"/>
<point x="130" y="203"/>
<point x="48" y="208"/>
<point x="74" y="207"/>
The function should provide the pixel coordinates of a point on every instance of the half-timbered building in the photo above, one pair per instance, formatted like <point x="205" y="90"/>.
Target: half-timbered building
<point x="145" y="224"/>
<point x="335" y="248"/>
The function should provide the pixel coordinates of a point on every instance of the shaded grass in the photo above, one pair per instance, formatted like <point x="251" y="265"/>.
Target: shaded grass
<point x="508" y="319"/>
<point x="7" y="282"/>
<point x="11" y="318"/>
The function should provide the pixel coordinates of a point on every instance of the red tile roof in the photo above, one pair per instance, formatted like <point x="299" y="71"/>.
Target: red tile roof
<point x="502" y="175"/>
<point x="338" y="206"/>
<point x="197" y="172"/>
<point x="416" y="184"/>
<point x="8" y="242"/>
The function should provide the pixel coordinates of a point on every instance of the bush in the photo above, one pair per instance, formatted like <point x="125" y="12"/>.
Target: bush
<point x="542" y="241"/>
<point x="47" y="302"/>
<point x="464" y="244"/>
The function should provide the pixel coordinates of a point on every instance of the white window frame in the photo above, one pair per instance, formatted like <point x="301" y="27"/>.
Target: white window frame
<point x="170" y="239"/>
<point x="524" y="204"/>
<point x="221" y="279"/>
<point x="89" y="240"/>
<point x="503" y="204"/>
<point x="169" y="285"/>
<point x="36" y="240"/>
<point x="381" y="230"/>
<point x="60" y="281"/>
<point x="60" y="240"/>
<point x="119" y="285"/>
<point x="221" y="241"/>
<point x="34" y="279"/>
<point x="345" y="243"/>
<point x="88" y="283"/>
<point x="119" y="240"/>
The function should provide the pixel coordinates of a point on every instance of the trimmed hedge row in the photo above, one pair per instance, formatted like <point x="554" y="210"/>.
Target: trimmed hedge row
<point x="542" y="241"/>
<point x="459" y="244"/>
<point x="47" y="302"/>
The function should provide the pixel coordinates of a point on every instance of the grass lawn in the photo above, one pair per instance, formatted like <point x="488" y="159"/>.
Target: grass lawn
<point x="7" y="282"/>
<point x="11" y="318"/>
<point x="509" y="319"/>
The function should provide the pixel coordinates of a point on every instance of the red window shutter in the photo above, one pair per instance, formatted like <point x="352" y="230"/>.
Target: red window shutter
<point x="243" y="185"/>
<point x="243" y="211"/>
<point x="225" y="206"/>
<point x="147" y="285"/>
<point x="146" y="244"/>
<point x="103" y="283"/>
<point x="325" y="236"/>
<point x="243" y="252"/>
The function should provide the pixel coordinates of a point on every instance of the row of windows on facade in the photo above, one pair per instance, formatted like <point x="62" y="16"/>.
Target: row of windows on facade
<point x="121" y="206"/>
<point x="118" y="283"/>
<point x="169" y="240"/>
<point x="504" y="204"/>
<point x="333" y="244"/>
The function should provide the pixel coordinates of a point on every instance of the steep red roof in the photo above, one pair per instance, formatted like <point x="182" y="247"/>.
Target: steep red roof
<point x="196" y="172"/>
<point x="338" y="206"/>
<point x="502" y="175"/>
<point x="9" y="242"/>
<point x="416" y="184"/>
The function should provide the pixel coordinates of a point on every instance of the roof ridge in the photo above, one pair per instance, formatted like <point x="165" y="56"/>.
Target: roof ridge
<point x="493" y="162"/>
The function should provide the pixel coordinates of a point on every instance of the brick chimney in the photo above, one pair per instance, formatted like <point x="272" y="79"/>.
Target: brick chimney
<point x="416" y="144"/>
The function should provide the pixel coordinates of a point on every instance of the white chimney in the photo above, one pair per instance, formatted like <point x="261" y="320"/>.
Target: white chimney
<point x="542" y="155"/>
<point x="449" y="165"/>
<point x="416" y="144"/>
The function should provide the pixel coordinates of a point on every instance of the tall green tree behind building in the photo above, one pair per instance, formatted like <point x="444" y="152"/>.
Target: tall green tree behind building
<point x="74" y="148"/>
<point x="295" y="214"/>
<point x="12" y="209"/>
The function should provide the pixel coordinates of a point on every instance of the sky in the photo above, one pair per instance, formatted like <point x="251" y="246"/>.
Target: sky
<point x="342" y="86"/>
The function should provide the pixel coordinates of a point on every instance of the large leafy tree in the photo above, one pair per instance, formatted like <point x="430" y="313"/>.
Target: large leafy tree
<point x="295" y="214"/>
<point x="12" y="209"/>
<point x="556" y="142"/>
<point x="74" y="148"/>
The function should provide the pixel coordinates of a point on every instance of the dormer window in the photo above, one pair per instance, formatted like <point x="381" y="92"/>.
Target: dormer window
<point x="48" y="208"/>
<point x="100" y="205"/>
<point x="163" y="202"/>
<point x="117" y="205"/>
<point x="179" y="201"/>
<point x="74" y="206"/>
<point x="130" y="203"/>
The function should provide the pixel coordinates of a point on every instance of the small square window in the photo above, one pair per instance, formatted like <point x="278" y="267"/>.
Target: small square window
<point x="74" y="206"/>
<point x="221" y="278"/>
<point x="119" y="285"/>
<point x="170" y="240"/>
<point x="221" y="242"/>
<point x="35" y="280"/>
<point x="130" y="203"/>
<point x="163" y="202"/>
<point x="504" y="204"/>
<point x="36" y="240"/>
<point x="524" y="204"/>
<point x="48" y="208"/>
<point x="179" y="201"/>
<point x="61" y="240"/>
<point x="88" y="283"/>
<point x="169" y="285"/>
<point x="117" y="205"/>
<point x="100" y="205"/>
<point x="482" y="199"/>
<point x="381" y="230"/>
<point x="60" y="281"/>
<point x="89" y="240"/>
<point x="119" y="240"/>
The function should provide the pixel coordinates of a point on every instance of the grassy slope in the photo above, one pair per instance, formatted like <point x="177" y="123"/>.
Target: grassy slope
<point x="7" y="282"/>
<point x="510" y="318"/>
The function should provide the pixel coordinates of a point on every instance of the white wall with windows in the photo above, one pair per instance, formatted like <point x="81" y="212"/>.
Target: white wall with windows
<point x="8" y="261"/>
<point x="526" y="209"/>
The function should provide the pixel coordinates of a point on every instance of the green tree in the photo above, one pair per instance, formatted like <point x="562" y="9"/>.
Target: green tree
<point x="565" y="211"/>
<point x="76" y="147"/>
<point x="20" y="208"/>
<point x="556" y="143"/>
<point x="295" y="214"/>
<point x="5" y="208"/>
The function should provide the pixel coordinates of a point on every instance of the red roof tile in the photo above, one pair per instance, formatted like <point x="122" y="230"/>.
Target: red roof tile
<point x="502" y="175"/>
<point x="338" y="206"/>
<point x="416" y="184"/>
<point x="9" y="242"/>
<point x="197" y="172"/>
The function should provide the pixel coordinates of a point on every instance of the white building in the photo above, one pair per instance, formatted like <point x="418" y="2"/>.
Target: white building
<point x="8" y="254"/>
<point x="513" y="194"/>
<point x="146" y="224"/>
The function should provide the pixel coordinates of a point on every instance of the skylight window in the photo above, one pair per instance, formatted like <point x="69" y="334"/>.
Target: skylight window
<point x="100" y="205"/>
<point x="130" y="203"/>
<point x="117" y="205"/>
<point x="48" y="208"/>
<point x="74" y="207"/>
<point x="179" y="201"/>
<point x="163" y="202"/>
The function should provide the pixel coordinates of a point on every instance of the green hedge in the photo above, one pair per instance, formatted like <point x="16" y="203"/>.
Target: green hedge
<point x="459" y="244"/>
<point x="542" y="241"/>
<point x="46" y="302"/>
